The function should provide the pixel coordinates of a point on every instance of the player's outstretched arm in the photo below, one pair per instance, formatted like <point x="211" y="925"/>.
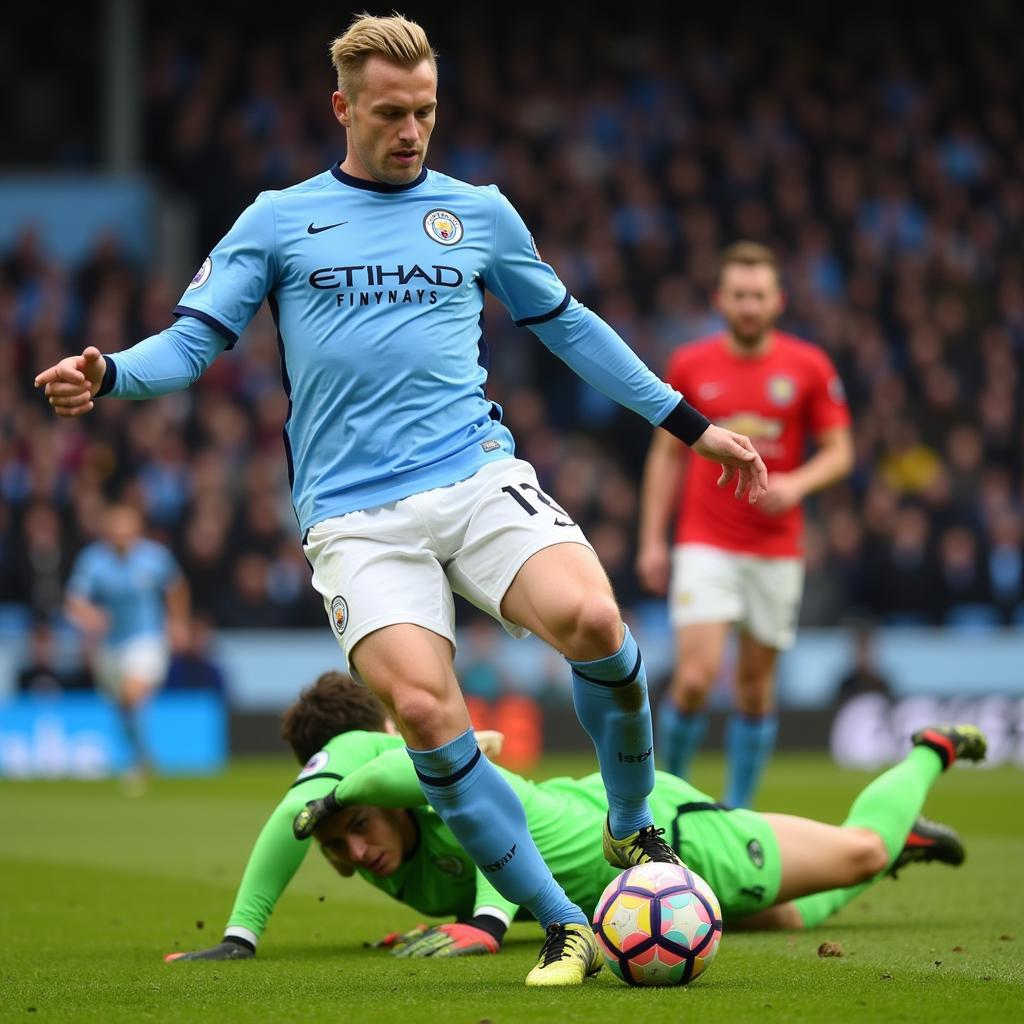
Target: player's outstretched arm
<point x="739" y="459"/>
<point x="71" y="384"/>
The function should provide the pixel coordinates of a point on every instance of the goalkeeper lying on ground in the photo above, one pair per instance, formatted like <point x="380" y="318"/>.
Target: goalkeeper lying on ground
<point x="358" y="794"/>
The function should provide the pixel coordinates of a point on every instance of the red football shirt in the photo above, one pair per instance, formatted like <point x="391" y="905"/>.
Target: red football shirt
<point x="779" y="399"/>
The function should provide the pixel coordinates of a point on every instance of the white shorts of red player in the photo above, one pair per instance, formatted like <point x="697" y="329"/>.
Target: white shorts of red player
<point x="762" y="595"/>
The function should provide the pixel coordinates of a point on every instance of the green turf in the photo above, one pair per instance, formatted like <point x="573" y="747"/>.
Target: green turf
<point x="95" y="887"/>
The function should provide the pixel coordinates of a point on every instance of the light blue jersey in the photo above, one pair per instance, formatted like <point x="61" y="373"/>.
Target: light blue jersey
<point x="378" y="295"/>
<point x="131" y="588"/>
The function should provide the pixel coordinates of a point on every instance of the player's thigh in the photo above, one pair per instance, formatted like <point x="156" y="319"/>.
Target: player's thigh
<point x="772" y="588"/>
<point x="379" y="568"/>
<point x="816" y="856"/>
<point x="410" y="669"/>
<point x="700" y="650"/>
<point x="705" y="586"/>
<point x="521" y="558"/>
<point x="132" y="671"/>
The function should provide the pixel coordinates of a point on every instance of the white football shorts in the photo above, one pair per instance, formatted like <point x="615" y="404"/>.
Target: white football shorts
<point x="145" y="658"/>
<point x="762" y="595"/>
<point x="401" y="562"/>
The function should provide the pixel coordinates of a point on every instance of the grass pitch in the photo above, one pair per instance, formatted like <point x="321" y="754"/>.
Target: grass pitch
<point x="95" y="888"/>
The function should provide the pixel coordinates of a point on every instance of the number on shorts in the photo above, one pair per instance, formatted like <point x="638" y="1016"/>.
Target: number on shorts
<point x="514" y="493"/>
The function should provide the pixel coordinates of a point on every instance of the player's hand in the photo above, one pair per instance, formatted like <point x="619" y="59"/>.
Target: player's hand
<point x="490" y="742"/>
<point x="314" y="814"/>
<point x="449" y="940"/>
<point x="784" y="493"/>
<point x="395" y="939"/>
<point x="229" y="949"/>
<point x="71" y="384"/>
<point x="740" y="460"/>
<point x="653" y="566"/>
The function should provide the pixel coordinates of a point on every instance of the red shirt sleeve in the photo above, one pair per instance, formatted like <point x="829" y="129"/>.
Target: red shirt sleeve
<point x="827" y="407"/>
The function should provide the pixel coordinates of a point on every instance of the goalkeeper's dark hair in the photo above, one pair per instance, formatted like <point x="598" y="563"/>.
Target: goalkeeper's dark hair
<point x="334" y="704"/>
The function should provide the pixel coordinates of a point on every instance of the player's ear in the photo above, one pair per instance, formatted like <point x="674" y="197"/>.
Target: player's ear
<point x="342" y="109"/>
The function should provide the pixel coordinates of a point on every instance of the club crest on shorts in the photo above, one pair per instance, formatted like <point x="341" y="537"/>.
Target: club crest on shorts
<point x="443" y="226"/>
<point x="339" y="615"/>
<point x="755" y="853"/>
<point x="202" y="275"/>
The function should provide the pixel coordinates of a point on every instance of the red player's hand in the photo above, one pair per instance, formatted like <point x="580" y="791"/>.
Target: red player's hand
<point x="653" y="566"/>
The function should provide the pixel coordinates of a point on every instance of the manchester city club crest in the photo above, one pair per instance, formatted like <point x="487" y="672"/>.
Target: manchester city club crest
<point x="443" y="226"/>
<point x="339" y="615"/>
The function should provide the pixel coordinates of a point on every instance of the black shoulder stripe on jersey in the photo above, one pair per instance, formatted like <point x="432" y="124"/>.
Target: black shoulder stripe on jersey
<point x="532" y="321"/>
<point x="317" y="775"/>
<point x="210" y="321"/>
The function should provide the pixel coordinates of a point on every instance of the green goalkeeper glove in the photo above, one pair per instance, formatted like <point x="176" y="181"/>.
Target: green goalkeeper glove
<point x="231" y="948"/>
<point x="309" y="819"/>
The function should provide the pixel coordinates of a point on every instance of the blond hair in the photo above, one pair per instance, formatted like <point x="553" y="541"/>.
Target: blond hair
<point x="394" y="38"/>
<point x="748" y="254"/>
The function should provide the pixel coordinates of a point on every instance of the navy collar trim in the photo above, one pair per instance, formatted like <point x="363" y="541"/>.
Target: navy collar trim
<point x="376" y="186"/>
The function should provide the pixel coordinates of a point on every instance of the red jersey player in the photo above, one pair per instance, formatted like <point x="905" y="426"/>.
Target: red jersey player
<point x="735" y="563"/>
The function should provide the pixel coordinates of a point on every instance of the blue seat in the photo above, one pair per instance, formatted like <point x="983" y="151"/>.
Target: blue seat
<point x="15" y="619"/>
<point x="973" y="617"/>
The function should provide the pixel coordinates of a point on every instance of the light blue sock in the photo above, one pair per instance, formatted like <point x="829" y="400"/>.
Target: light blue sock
<point x="749" y="742"/>
<point x="610" y="696"/>
<point x="488" y="819"/>
<point x="680" y="734"/>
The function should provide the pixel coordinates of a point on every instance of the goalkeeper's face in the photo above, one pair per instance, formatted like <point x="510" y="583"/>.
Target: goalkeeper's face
<point x="373" y="839"/>
<point x="388" y="121"/>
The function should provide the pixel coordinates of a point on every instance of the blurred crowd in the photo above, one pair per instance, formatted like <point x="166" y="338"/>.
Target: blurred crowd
<point x="884" y="163"/>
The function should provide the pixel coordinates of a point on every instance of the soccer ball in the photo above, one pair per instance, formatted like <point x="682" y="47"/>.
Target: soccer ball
<point x="658" y="924"/>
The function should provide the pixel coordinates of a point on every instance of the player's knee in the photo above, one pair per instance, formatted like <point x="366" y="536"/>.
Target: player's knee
<point x="867" y="855"/>
<point x="691" y="685"/>
<point x="593" y="628"/>
<point x="419" y="712"/>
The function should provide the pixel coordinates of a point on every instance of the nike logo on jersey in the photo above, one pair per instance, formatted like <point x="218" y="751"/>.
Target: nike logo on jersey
<point x="709" y="391"/>
<point x="326" y="227"/>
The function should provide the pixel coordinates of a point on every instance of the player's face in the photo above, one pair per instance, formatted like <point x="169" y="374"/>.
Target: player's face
<point x="750" y="300"/>
<point x="371" y="838"/>
<point x="123" y="527"/>
<point x="388" y="123"/>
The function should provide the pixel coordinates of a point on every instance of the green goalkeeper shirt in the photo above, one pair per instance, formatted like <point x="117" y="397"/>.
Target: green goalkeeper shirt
<point x="438" y="878"/>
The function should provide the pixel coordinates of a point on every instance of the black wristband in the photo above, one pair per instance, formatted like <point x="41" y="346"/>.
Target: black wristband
<point x="239" y="941"/>
<point x="109" y="377"/>
<point x="685" y="422"/>
<point x="494" y="926"/>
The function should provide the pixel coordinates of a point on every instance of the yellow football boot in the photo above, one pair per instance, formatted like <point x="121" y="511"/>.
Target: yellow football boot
<point x="642" y="847"/>
<point x="569" y="956"/>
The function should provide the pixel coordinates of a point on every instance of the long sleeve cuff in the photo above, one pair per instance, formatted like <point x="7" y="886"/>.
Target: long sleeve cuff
<point x="109" y="377"/>
<point x="685" y="422"/>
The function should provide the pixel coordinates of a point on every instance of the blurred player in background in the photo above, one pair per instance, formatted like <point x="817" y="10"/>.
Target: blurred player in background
<point x="405" y="482"/>
<point x="767" y="870"/>
<point x="127" y="593"/>
<point x="736" y="564"/>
